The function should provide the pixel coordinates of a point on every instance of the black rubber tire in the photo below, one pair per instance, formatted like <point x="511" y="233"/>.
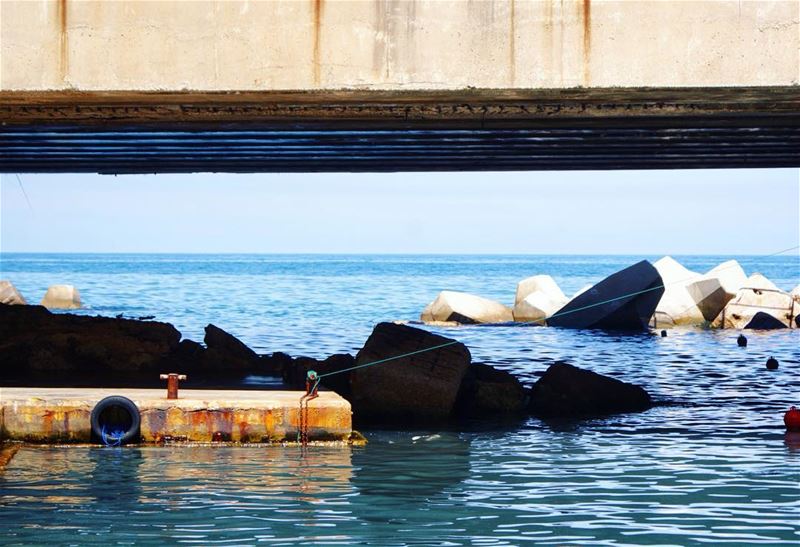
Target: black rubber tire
<point x="132" y="432"/>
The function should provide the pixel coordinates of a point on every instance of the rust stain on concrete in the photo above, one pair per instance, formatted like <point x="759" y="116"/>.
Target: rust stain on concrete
<point x="587" y="40"/>
<point x="317" y="10"/>
<point x="512" y="45"/>
<point x="63" y="415"/>
<point x="63" y="65"/>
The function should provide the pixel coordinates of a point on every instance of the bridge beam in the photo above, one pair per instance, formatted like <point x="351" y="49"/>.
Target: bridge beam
<point x="145" y="132"/>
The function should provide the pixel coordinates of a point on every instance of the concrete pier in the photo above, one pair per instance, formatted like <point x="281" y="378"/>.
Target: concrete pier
<point x="63" y="415"/>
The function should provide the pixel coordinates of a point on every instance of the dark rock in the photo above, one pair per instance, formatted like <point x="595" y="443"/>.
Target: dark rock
<point x="764" y="321"/>
<point x="275" y="364"/>
<point x="625" y="300"/>
<point x="228" y="353"/>
<point x="741" y="341"/>
<point x="772" y="364"/>
<point x="295" y="372"/>
<point x="663" y="334"/>
<point x="418" y="388"/>
<point x="565" y="390"/>
<point x="187" y="357"/>
<point x="37" y="343"/>
<point x="487" y="391"/>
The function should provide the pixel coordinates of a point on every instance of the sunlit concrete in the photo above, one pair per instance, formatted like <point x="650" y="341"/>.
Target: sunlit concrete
<point x="63" y="415"/>
<point x="396" y="44"/>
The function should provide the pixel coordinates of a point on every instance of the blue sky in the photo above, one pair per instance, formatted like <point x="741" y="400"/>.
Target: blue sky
<point x="616" y="212"/>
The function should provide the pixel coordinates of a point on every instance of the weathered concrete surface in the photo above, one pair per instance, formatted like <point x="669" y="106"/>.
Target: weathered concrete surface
<point x="62" y="415"/>
<point x="9" y="294"/>
<point x="465" y="308"/>
<point x="396" y="44"/>
<point x="62" y="297"/>
<point x="758" y="294"/>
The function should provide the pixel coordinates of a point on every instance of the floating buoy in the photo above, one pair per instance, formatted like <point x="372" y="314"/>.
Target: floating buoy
<point x="742" y="341"/>
<point x="772" y="364"/>
<point x="663" y="334"/>
<point x="792" y="419"/>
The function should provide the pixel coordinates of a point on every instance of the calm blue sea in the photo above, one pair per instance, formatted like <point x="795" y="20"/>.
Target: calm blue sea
<point x="712" y="467"/>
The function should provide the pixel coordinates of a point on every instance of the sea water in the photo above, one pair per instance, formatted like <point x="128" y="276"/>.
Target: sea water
<point x="709" y="465"/>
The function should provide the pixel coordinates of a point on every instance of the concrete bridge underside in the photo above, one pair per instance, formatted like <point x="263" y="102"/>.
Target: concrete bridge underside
<point x="389" y="131"/>
<point x="390" y="85"/>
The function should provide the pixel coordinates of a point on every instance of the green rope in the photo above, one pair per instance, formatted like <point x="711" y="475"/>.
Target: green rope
<point x="390" y="358"/>
<point x="662" y="286"/>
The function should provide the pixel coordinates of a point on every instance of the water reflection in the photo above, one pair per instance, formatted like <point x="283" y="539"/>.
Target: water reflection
<point x="114" y="482"/>
<point x="792" y="441"/>
<point x="411" y="469"/>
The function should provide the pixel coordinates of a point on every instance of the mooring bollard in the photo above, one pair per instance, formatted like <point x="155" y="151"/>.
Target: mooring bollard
<point x="172" y="383"/>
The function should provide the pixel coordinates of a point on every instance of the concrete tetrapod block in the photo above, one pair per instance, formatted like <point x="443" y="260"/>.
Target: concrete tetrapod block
<point x="536" y="307"/>
<point x="63" y="415"/>
<point x="465" y="308"/>
<point x="716" y="288"/>
<point x="9" y="294"/>
<point x="758" y="294"/>
<point x="625" y="300"/>
<point x="677" y="306"/>
<point x="62" y="297"/>
<point x="796" y="293"/>
<point x="539" y="283"/>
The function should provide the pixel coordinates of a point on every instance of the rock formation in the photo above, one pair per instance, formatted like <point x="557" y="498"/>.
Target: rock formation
<point x="226" y="352"/>
<point x="486" y="391"/>
<point x="465" y="308"/>
<point x="40" y="344"/>
<point x="565" y="390"/>
<point x="9" y="294"/>
<point x="419" y="388"/>
<point x="62" y="297"/>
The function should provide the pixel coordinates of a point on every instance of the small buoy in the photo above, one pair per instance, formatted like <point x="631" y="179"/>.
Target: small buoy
<point x="663" y="334"/>
<point x="792" y="419"/>
<point x="772" y="363"/>
<point x="742" y="341"/>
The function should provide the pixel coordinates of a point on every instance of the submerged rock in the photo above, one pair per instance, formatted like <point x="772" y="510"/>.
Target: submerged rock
<point x="758" y="294"/>
<point x="9" y="294"/>
<point x="418" y="388"/>
<point x="677" y="306"/>
<point x="567" y="391"/>
<point x="486" y="391"/>
<point x="624" y="300"/>
<point x="62" y="297"/>
<point x="465" y="309"/>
